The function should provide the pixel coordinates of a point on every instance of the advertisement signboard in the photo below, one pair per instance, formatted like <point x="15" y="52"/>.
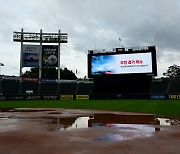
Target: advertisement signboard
<point x="66" y="97"/>
<point x="30" y="79"/>
<point x="30" y="55"/>
<point x="49" y="80"/>
<point x="174" y="96"/>
<point x="50" y="55"/>
<point x="82" y="97"/>
<point x="158" y="96"/>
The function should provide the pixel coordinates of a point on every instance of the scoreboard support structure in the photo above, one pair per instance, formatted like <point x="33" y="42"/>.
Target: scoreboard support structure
<point x="40" y="38"/>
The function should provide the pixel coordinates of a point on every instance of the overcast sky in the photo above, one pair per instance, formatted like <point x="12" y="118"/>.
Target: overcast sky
<point x="92" y="24"/>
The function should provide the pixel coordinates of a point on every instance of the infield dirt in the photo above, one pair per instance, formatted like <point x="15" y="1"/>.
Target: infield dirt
<point x="84" y="131"/>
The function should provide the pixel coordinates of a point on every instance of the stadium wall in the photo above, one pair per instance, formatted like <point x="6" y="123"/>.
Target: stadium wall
<point x="82" y="89"/>
<point x="91" y="97"/>
<point x="72" y="87"/>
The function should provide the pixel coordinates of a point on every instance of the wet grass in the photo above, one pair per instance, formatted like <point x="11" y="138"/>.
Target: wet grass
<point x="158" y="107"/>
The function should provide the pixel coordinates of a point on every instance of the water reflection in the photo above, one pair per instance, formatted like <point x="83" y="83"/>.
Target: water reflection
<point x="106" y="120"/>
<point x="7" y="124"/>
<point x="125" y="127"/>
<point x="130" y="131"/>
<point x="164" y="122"/>
<point x="168" y="122"/>
<point x="122" y="137"/>
<point x="122" y="119"/>
<point x="69" y="123"/>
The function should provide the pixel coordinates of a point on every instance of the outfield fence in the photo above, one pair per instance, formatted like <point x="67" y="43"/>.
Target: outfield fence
<point x="92" y="97"/>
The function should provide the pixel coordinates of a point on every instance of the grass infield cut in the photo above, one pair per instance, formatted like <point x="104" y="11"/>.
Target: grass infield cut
<point x="158" y="107"/>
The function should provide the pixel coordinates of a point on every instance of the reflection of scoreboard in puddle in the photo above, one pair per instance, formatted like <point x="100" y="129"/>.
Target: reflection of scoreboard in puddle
<point x="123" y="70"/>
<point x="103" y="119"/>
<point x="108" y="119"/>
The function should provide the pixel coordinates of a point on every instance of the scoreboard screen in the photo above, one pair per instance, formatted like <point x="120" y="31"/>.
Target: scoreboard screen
<point x="139" y="62"/>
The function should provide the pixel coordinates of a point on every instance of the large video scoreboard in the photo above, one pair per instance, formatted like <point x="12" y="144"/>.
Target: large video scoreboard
<point x="123" y="61"/>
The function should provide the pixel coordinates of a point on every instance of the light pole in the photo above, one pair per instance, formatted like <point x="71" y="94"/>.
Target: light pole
<point x="1" y="64"/>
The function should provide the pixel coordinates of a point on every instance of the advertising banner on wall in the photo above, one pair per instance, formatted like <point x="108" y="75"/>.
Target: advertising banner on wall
<point x="30" y="55"/>
<point x="82" y="97"/>
<point x="66" y="97"/>
<point x="50" y="55"/>
<point x="174" y="96"/>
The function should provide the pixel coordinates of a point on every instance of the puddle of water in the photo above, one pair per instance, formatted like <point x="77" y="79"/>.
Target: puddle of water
<point x="111" y="120"/>
<point x="120" y="137"/>
<point x="97" y="120"/>
<point x="7" y="124"/>
<point x="124" y="131"/>
<point x="126" y="127"/>
<point x="28" y="110"/>
<point x="128" y="132"/>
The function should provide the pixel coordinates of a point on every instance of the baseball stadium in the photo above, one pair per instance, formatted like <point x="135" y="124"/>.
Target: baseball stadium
<point x="119" y="108"/>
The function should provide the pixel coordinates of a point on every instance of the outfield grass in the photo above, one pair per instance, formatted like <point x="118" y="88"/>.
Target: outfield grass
<point x="158" y="107"/>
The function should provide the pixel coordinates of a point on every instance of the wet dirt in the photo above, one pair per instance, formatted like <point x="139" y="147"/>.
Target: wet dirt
<point x="86" y="131"/>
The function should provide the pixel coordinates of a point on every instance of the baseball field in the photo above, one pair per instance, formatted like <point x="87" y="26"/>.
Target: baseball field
<point x="158" y="107"/>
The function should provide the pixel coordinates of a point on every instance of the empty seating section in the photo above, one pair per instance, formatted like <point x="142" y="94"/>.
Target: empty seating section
<point x="76" y="87"/>
<point x="84" y="88"/>
<point x="29" y="86"/>
<point x="68" y="87"/>
<point x="160" y="86"/>
<point x="10" y="87"/>
<point x="175" y="87"/>
<point x="49" y="88"/>
<point x="166" y="86"/>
